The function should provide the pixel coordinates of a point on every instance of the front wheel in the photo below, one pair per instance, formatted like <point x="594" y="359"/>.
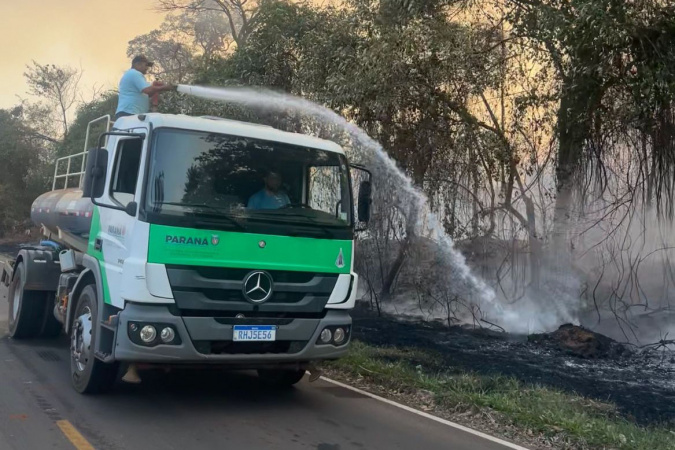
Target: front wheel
<point x="281" y="377"/>
<point x="89" y="375"/>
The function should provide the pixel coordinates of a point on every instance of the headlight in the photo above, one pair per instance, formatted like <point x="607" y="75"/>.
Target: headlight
<point x="326" y="336"/>
<point x="148" y="334"/>
<point x="167" y="335"/>
<point x="339" y="336"/>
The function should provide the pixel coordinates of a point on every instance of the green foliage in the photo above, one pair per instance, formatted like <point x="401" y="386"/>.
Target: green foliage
<point x="74" y="141"/>
<point x="172" y="47"/>
<point x="56" y="85"/>
<point x="615" y="65"/>
<point x="239" y="17"/>
<point x="25" y="172"/>
<point x="404" y="81"/>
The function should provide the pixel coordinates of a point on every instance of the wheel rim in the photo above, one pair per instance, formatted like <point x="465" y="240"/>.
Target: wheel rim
<point x="80" y="341"/>
<point x="15" y="303"/>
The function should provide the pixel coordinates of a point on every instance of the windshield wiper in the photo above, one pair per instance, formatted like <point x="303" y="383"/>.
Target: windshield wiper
<point x="310" y="220"/>
<point x="207" y="207"/>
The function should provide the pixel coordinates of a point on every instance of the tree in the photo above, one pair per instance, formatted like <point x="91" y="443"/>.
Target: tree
<point x="174" y="59"/>
<point x="25" y="166"/>
<point x="41" y="119"/>
<point x="241" y="14"/>
<point x="612" y="60"/>
<point x="404" y="81"/>
<point x="73" y="142"/>
<point x="57" y="85"/>
<point x="186" y="43"/>
<point x="607" y="73"/>
<point x="500" y="123"/>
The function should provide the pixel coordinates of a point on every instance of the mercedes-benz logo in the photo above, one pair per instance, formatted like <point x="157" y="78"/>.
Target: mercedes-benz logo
<point x="258" y="287"/>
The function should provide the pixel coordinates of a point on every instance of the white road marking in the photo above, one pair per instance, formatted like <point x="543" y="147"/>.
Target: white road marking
<point x="428" y="416"/>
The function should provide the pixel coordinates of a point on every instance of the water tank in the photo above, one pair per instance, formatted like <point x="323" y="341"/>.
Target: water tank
<point x="65" y="209"/>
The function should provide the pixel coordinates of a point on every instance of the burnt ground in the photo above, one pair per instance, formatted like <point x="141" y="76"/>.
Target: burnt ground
<point x="640" y="383"/>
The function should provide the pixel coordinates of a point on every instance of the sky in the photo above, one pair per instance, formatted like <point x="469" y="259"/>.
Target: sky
<point x="91" y="34"/>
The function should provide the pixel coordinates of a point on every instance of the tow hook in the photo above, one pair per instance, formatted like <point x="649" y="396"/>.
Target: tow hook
<point x="314" y="373"/>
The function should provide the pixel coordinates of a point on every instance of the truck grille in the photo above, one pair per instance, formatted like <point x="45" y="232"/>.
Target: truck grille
<point x="219" y="290"/>
<point x="226" y="295"/>
<point x="224" y="273"/>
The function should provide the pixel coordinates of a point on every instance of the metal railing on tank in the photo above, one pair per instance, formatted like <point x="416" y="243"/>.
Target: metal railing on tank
<point x="68" y="160"/>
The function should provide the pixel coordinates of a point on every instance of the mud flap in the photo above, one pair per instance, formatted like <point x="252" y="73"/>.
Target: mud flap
<point x="7" y="272"/>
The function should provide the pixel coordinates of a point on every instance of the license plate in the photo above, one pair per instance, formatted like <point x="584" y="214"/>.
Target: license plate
<point x="255" y="333"/>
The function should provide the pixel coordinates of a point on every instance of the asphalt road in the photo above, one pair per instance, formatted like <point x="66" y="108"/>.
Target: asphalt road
<point x="196" y="410"/>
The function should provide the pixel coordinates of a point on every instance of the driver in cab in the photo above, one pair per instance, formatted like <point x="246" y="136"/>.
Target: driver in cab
<point x="271" y="196"/>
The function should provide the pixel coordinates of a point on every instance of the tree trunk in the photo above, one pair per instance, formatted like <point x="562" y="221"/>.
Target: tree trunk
<point x="395" y="269"/>
<point x="573" y="132"/>
<point x="534" y="243"/>
<point x="388" y="282"/>
<point x="419" y="168"/>
<point x="579" y="99"/>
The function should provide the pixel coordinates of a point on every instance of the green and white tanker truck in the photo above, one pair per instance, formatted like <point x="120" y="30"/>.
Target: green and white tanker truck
<point x="159" y="257"/>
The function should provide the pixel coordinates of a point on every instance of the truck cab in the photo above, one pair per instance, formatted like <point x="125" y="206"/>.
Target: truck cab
<point x="199" y="241"/>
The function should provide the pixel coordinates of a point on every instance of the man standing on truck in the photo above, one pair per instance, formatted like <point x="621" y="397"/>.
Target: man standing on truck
<point x="271" y="196"/>
<point x="135" y="90"/>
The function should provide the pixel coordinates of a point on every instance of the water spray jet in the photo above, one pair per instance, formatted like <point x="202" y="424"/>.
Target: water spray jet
<point x="425" y="220"/>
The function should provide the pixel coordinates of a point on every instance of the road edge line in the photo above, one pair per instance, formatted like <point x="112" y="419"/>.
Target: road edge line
<point x="428" y="416"/>
<point x="74" y="436"/>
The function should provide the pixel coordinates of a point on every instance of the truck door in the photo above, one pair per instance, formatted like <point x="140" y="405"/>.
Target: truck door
<point x="116" y="227"/>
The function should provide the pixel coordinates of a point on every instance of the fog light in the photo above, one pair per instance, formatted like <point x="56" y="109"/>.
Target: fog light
<point x="339" y="336"/>
<point x="167" y="335"/>
<point x="148" y="334"/>
<point x="326" y="336"/>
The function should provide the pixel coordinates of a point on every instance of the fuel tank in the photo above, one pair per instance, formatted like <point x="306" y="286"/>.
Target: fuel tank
<point x="64" y="209"/>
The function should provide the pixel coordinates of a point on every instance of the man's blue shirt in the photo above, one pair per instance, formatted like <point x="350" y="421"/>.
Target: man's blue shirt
<point x="132" y="100"/>
<point x="265" y="200"/>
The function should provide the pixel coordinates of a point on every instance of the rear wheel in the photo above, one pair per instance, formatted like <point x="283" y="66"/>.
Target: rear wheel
<point x="281" y="377"/>
<point x="89" y="375"/>
<point x="26" y="308"/>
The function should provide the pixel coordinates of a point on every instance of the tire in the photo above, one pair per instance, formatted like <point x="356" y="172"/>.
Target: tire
<point x="88" y="374"/>
<point x="26" y="308"/>
<point x="281" y="377"/>
<point x="51" y="327"/>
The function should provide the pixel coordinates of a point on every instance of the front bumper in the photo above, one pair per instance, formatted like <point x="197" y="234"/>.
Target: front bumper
<point x="200" y="335"/>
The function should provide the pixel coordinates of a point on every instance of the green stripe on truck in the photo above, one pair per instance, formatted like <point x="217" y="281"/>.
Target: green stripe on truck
<point x="185" y="246"/>
<point x="98" y="254"/>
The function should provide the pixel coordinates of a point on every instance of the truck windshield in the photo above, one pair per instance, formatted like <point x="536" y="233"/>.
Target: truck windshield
<point x="240" y="182"/>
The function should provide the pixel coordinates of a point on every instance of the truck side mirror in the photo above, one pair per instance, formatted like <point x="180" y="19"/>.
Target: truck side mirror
<point x="131" y="209"/>
<point x="365" y="199"/>
<point x="94" y="175"/>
